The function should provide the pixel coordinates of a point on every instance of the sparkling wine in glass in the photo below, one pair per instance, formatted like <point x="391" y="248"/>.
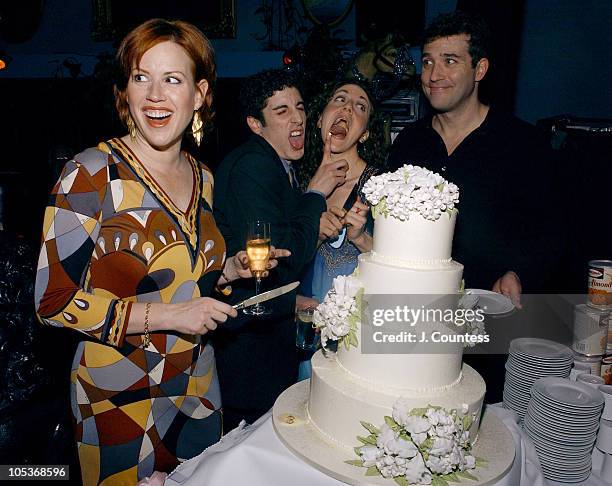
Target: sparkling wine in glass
<point x="258" y="251"/>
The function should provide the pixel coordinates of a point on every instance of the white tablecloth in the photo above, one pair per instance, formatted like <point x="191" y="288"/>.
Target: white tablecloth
<point x="254" y="456"/>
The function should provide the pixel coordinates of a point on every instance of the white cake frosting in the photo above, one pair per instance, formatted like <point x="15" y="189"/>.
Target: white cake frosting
<point x="380" y="277"/>
<point x="396" y="372"/>
<point x="411" y="255"/>
<point x="338" y="402"/>
<point x="415" y="240"/>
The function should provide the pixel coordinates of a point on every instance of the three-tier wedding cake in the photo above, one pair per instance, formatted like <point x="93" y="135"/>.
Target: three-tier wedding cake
<point x="413" y="415"/>
<point x="413" y="232"/>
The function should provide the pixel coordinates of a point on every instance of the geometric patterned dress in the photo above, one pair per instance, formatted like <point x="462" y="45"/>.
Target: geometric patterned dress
<point x="112" y="237"/>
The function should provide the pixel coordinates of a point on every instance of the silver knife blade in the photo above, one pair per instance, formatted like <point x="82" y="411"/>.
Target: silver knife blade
<point x="270" y="294"/>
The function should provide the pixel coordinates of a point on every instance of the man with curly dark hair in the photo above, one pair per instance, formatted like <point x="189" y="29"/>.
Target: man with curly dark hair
<point x="256" y="357"/>
<point x="254" y="93"/>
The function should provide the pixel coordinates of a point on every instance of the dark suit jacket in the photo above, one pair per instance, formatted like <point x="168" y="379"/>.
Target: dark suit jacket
<point x="257" y="358"/>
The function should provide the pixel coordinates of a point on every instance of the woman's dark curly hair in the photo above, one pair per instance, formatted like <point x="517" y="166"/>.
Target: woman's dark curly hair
<point x="373" y="150"/>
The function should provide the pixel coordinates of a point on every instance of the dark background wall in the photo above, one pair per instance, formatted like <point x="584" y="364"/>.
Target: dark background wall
<point x="560" y="46"/>
<point x="564" y="59"/>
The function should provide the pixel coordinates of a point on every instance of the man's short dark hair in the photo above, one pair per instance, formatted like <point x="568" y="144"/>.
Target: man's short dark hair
<point x="257" y="88"/>
<point x="457" y="23"/>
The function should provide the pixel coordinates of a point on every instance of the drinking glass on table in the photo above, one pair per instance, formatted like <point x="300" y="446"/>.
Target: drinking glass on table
<point x="306" y="336"/>
<point x="258" y="251"/>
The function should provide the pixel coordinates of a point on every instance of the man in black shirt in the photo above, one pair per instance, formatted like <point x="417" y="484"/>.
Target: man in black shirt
<point x="505" y="226"/>
<point x="500" y="164"/>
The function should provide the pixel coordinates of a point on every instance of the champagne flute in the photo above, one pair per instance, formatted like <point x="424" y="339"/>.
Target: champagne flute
<point x="258" y="251"/>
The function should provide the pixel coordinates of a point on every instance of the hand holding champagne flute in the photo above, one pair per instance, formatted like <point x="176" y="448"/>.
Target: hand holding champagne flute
<point x="258" y="252"/>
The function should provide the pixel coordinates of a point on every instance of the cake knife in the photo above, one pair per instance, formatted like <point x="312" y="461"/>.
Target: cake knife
<point x="270" y="294"/>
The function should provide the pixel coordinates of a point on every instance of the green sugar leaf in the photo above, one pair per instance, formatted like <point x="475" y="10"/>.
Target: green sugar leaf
<point x="392" y="423"/>
<point x="427" y="444"/>
<point x="418" y="412"/>
<point x="405" y="436"/>
<point x="369" y="440"/>
<point x="370" y="428"/>
<point x="355" y="462"/>
<point x="452" y="477"/>
<point x="481" y="462"/>
<point x="438" y="481"/>
<point x="467" y="422"/>
<point x="353" y="341"/>
<point x="466" y="475"/>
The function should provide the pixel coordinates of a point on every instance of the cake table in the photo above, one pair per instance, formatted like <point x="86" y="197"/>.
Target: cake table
<point x="255" y="456"/>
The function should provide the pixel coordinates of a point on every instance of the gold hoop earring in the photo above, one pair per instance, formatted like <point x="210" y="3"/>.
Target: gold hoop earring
<point x="197" y="127"/>
<point x="362" y="140"/>
<point x="131" y="126"/>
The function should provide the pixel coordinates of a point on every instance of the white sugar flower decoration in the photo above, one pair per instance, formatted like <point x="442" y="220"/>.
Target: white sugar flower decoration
<point x="337" y="316"/>
<point x="417" y="472"/>
<point x="347" y="285"/>
<point x="411" y="189"/>
<point x="419" y="446"/>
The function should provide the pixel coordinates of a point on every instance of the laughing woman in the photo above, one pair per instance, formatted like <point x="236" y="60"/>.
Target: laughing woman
<point x="130" y="253"/>
<point x="347" y="127"/>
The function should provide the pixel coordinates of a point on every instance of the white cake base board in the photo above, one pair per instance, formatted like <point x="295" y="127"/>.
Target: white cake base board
<point x="296" y="432"/>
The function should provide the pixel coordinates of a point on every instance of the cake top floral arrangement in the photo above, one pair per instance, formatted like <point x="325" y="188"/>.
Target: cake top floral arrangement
<point x="426" y="446"/>
<point x="411" y="189"/>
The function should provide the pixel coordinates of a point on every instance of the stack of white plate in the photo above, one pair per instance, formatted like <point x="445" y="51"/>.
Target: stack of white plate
<point x="530" y="359"/>
<point x="562" y="421"/>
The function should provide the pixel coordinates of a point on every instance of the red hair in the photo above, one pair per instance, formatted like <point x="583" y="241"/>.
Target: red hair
<point x="148" y="35"/>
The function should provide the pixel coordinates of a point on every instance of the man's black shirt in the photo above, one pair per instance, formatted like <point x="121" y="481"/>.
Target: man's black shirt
<point x="507" y="196"/>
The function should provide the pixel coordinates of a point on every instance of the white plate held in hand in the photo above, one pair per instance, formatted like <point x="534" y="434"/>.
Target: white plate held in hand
<point x="491" y="302"/>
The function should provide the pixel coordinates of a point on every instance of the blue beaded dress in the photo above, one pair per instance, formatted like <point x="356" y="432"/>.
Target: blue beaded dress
<point x="337" y="256"/>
